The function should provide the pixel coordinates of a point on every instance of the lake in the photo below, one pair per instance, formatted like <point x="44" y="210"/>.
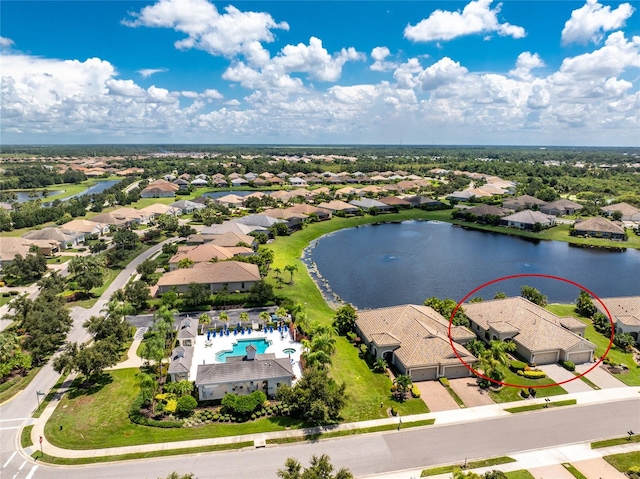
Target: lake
<point x="99" y="187"/>
<point x="24" y="196"/>
<point x="388" y="264"/>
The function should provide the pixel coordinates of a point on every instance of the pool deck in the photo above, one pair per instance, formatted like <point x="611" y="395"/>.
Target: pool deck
<point x="203" y="354"/>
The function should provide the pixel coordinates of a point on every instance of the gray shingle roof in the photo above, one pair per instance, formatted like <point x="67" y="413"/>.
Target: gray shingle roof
<point x="242" y="371"/>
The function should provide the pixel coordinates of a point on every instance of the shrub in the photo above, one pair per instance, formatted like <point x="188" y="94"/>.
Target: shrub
<point x="634" y="470"/>
<point x="253" y="416"/>
<point x="524" y="393"/>
<point x="568" y="365"/>
<point x="351" y="336"/>
<point x="415" y="392"/>
<point x="532" y="374"/>
<point x="394" y="411"/>
<point x="171" y="406"/>
<point x="445" y="382"/>
<point x="186" y="405"/>
<point x="517" y="366"/>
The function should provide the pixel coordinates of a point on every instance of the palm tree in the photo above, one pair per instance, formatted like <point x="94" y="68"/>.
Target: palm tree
<point x="204" y="318"/>
<point x="244" y="316"/>
<point x="291" y="268"/>
<point x="318" y="359"/>
<point x="223" y="316"/>
<point x="265" y="316"/>
<point x="277" y="271"/>
<point x="403" y="383"/>
<point x="380" y="365"/>
<point x="324" y="343"/>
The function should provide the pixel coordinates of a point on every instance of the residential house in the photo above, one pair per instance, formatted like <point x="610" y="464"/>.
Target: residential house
<point x="307" y="210"/>
<point x="199" y="182"/>
<point x="261" y="220"/>
<point x="187" y="332"/>
<point x="56" y="235"/>
<point x="207" y="252"/>
<point x="527" y="219"/>
<point x="157" y="209"/>
<point x="337" y="205"/>
<point x="368" y="203"/>
<point x="225" y="239"/>
<point x="183" y="185"/>
<point x="522" y="202"/>
<point x="131" y="215"/>
<point x="159" y="189"/>
<point x="625" y="312"/>
<point x="231" y="227"/>
<point x="239" y="182"/>
<point x="600" y="227"/>
<point x="291" y="219"/>
<point x="11" y="246"/>
<point x="85" y="227"/>
<point x="414" y="338"/>
<point x="180" y="363"/>
<point x="629" y="212"/>
<point x="426" y="203"/>
<point x="231" y="200"/>
<point x="396" y="202"/>
<point x="561" y="207"/>
<point x="243" y="375"/>
<point x="540" y="336"/>
<point x="229" y="275"/>
<point x="186" y="207"/>
<point x="295" y="181"/>
<point x="486" y="210"/>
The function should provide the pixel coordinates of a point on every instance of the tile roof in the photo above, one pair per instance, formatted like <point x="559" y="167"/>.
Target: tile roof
<point x="204" y="252"/>
<point x="483" y="210"/>
<point x="538" y="328"/>
<point x="420" y="330"/>
<point x="212" y="273"/>
<point x="242" y="371"/>
<point x="529" y="217"/>
<point x="600" y="225"/>
<point x="181" y="359"/>
<point x="628" y="211"/>
<point x="625" y="309"/>
<point x="188" y="328"/>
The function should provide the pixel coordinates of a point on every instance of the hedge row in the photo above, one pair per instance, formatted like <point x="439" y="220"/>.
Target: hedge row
<point x="532" y="374"/>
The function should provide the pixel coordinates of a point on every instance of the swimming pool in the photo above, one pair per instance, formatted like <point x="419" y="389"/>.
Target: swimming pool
<point x="240" y="348"/>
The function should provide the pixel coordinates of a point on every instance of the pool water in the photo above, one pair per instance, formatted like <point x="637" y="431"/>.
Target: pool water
<point x="240" y="348"/>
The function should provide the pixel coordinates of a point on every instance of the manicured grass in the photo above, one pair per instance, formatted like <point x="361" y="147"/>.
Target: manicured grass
<point x="5" y="299"/>
<point x="622" y="462"/>
<point x="350" y="432"/>
<point x="49" y="397"/>
<point x="534" y="407"/>
<point x="632" y="377"/>
<point x="434" y="471"/>
<point x="573" y="471"/>
<point x="587" y="381"/>
<point x="98" y="418"/>
<point x="67" y="461"/>
<point x="59" y="259"/>
<point x="615" y="442"/>
<point x="520" y="474"/>
<point x="510" y="394"/>
<point x="25" y="436"/>
<point x="14" y="386"/>
<point x="455" y="397"/>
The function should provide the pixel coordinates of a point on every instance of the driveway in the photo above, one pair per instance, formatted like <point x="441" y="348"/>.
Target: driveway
<point x="559" y="374"/>
<point x="470" y="393"/>
<point x="597" y="469"/>
<point x="436" y="396"/>
<point x="557" y="471"/>
<point x="600" y="376"/>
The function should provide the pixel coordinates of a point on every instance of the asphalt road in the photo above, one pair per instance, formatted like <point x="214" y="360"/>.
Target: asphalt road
<point x="18" y="410"/>
<point x="385" y="452"/>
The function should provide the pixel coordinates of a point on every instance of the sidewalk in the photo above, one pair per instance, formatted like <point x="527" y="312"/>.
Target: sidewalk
<point x="259" y="439"/>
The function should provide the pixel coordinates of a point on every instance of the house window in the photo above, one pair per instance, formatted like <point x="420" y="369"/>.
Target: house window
<point x="242" y="286"/>
<point x="187" y="342"/>
<point x="486" y="335"/>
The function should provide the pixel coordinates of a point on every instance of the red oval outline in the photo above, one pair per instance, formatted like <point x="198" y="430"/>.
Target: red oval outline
<point x="530" y="275"/>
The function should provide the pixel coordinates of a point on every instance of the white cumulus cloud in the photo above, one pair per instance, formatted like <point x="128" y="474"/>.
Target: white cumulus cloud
<point x="477" y="17"/>
<point x="227" y="34"/>
<point x="524" y="64"/>
<point x="590" y="22"/>
<point x="6" y="42"/>
<point x="379" y="54"/>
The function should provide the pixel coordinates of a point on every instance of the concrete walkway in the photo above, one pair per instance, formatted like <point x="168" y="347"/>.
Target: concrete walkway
<point x="443" y="417"/>
<point x="133" y="360"/>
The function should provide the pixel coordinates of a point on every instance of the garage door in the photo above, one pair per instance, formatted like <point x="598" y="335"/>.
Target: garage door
<point x="580" y="357"/>
<point x="424" y="374"/>
<point x="458" y="371"/>
<point x="546" y="358"/>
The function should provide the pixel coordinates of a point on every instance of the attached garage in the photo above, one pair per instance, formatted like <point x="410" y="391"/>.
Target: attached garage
<point x="546" y="357"/>
<point x="424" y="374"/>
<point x="579" y="357"/>
<point x="456" y="371"/>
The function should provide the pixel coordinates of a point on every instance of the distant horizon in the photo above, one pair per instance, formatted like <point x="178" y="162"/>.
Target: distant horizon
<point x="447" y="72"/>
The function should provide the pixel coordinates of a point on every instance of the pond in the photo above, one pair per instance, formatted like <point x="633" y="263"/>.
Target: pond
<point x="384" y="265"/>
<point x="24" y="196"/>
<point x="99" y="187"/>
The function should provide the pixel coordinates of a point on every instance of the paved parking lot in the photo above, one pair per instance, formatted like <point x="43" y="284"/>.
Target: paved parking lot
<point x="599" y="376"/>
<point x="470" y="393"/>
<point x="436" y="396"/>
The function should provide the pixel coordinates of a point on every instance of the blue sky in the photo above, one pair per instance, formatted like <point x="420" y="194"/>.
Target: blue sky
<point x="195" y="71"/>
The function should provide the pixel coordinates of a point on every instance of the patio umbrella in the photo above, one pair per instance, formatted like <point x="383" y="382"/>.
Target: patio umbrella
<point x="208" y="334"/>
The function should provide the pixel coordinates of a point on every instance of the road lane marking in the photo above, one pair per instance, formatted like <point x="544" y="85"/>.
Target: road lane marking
<point x="9" y="460"/>
<point x="19" y="469"/>
<point x="31" y="472"/>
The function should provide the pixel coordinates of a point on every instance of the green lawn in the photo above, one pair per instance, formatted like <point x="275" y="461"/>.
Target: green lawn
<point x="632" y="378"/>
<point x="520" y="474"/>
<point x="622" y="462"/>
<point x="615" y="442"/>
<point x="535" y="407"/>
<point x="510" y="394"/>
<point x="59" y="259"/>
<point x="84" y="421"/>
<point x="13" y="386"/>
<point x="434" y="471"/>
